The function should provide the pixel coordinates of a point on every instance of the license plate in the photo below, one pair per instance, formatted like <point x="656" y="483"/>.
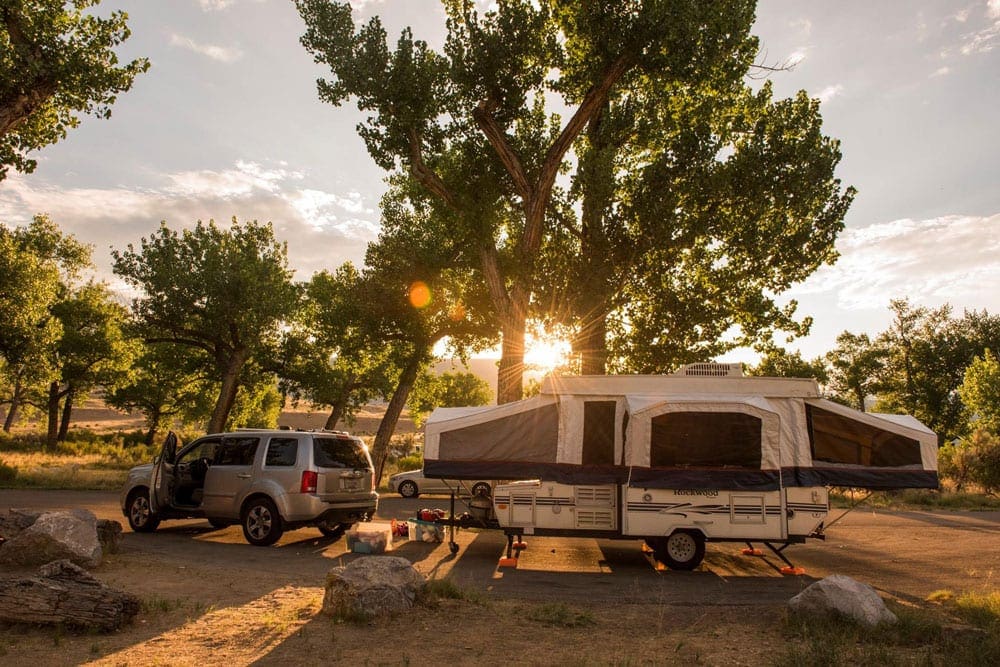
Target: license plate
<point x="351" y="484"/>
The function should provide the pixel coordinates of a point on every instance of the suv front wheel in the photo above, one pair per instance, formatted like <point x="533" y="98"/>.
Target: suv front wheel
<point x="262" y="525"/>
<point x="140" y="517"/>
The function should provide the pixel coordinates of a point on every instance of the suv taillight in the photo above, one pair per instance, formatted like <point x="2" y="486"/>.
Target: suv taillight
<point x="308" y="481"/>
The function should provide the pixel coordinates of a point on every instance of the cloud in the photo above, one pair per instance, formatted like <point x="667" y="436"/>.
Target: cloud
<point x="941" y="71"/>
<point x="215" y="5"/>
<point x="803" y="25"/>
<point x="829" y="92"/>
<point x="322" y="229"/>
<point x="797" y="56"/>
<point x="947" y="259"/>
<point x="219" y="53"/>
<point x="985" y="39"/>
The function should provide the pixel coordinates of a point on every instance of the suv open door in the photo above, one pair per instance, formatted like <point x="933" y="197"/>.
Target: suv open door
<point x="163" y="475"/>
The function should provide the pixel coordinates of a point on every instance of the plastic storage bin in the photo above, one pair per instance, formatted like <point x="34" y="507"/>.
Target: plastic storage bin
<point x="370" y="538"/>
<point x="425" y="531"/>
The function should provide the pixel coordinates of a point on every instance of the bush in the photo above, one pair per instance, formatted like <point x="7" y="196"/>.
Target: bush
<point x="7" y="473"/>
<point x="975" y="459"/>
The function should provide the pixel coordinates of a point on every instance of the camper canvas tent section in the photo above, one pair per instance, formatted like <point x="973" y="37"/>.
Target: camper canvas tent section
<point x="684" y="432"/>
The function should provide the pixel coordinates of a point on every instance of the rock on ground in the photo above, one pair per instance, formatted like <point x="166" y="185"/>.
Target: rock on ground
<point x="843" y="596"/>
<point x="70" y="535"/>
<point x="372" y="586"/>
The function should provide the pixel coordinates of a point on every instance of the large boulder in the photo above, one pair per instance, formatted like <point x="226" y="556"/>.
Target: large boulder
<point x="839" y="595"/>
<point x="70" y="535"/>
<point x="372" y="586"/>
<point x="13" y="521"/>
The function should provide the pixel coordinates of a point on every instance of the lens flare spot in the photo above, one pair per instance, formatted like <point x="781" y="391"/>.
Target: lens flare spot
<point x="420" y="294"/>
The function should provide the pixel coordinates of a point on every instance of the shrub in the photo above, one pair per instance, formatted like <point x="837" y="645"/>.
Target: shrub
<point x="7" y="473"/>
<point x="975" y="459"/>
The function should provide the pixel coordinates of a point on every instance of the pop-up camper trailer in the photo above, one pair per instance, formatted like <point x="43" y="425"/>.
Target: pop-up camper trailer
<point x="704" y="455"/>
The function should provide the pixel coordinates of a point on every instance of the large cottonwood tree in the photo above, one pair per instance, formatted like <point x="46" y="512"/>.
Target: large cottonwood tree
<point x="482" y="101"/>
<point x="221" y="292"/>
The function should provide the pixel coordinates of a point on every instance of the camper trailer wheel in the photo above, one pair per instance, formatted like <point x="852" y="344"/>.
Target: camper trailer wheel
<point x="683" y="550"/>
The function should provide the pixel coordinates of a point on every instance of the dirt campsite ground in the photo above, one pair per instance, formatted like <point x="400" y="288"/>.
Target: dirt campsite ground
<point x="209" y="598"/>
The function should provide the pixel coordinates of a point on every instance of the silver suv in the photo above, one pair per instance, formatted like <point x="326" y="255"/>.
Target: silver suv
<point x="266" y="480"/>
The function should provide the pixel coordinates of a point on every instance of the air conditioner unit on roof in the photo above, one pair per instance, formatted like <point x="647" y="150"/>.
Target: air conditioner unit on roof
<point x="711" y="369"/>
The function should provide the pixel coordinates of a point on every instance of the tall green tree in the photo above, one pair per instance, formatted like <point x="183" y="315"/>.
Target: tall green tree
<point x="38" y="264"/>
<point x="94" y="350"/>
<point x="928" y="351"/>
<point x="162" y="385"/>
<point x="221" y="293"/>
<point x="420" y="294"/>
<point x="332" y="356"/>
<point x="447" y="390"/>
<point x="482" y="103"/>
<point x="856" y="366"/>
<point x="980" y="392"/>
<point x="57" y="61"/>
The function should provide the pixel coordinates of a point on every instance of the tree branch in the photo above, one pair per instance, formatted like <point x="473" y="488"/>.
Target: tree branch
<point x="591" y="104"/>
<point x="427" y="176"/>
<point x="483" y="115"/>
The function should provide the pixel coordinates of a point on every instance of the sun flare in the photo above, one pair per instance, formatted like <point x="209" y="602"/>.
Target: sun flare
<point x="546" y="353"/>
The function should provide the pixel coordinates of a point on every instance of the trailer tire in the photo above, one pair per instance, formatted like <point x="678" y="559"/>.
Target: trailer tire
<point x="682" y="550"/>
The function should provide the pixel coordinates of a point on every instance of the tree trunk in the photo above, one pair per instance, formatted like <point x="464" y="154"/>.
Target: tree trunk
<point x="67" y="413"/>
<point x="227" y="392"/>
<point x="380" y="448"/>
<point x="593" y="345"/>
<point x="860" y="396"/>
<point x="64" y="594"/>
<point x="53" y="413"/>
<point x="153" y="417"/>
<point x="15" y="405"/>
<point x="336" y="412"/>
<point x="510" y="375"/>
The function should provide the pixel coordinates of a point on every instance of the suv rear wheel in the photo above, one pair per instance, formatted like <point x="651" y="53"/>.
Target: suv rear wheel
<point x="262" y="525"/>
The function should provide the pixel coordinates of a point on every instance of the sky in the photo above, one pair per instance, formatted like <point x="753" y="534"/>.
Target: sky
<point x="227" y="123"/>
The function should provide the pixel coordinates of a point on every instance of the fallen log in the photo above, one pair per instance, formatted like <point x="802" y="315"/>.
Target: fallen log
<point x="65" y="594"/>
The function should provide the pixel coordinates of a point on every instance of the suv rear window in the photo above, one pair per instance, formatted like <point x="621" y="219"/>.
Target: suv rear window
<point x="339" y="453"/>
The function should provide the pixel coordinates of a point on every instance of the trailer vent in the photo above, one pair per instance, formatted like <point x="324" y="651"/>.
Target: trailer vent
<point x="711" y="370"/>
<point x="600" y="519"/>
<point x="602" y="496"/>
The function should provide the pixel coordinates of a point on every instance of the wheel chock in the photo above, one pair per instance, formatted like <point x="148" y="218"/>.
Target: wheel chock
<point x="507" y="562"/>
<point x="750" y="551"/>
<point x="796" y="571"/>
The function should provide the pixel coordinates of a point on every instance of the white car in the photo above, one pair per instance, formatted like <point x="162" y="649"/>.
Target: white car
<point x="411" y="484"/>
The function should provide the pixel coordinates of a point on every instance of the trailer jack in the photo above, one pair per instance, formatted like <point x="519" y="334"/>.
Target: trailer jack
<point x="514" y="550"/>
<point x="789" y="568"/>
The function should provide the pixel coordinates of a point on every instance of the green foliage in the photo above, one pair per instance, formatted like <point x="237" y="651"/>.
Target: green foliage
<point x="980" y="392"/>
<point x="38" y="265"/>
<point x="975" y="459"/>
<point x="779" y="362"/>
<point x="855" y="367"/>
<point x="221" y="293"/>
<point x="256" y="406"/>
<point x="56" y="62"/>
<point x="448" y="390"/>
<point x="928" y="351"/>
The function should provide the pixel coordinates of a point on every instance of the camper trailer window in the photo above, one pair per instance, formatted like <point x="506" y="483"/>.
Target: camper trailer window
<point x="599" y="432"/>
<point x="837" y="439"/>
<point x="712" y="439"/>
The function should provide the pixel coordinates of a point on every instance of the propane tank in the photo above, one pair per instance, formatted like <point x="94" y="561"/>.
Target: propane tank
<point x="481" y="507"/>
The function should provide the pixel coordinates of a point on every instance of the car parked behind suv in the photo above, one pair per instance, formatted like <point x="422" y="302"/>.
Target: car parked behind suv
<point x="268" y="481"/>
